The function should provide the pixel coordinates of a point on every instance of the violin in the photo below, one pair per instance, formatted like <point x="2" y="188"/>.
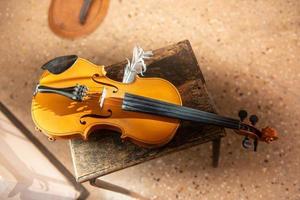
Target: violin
<point x="74" y="97"/>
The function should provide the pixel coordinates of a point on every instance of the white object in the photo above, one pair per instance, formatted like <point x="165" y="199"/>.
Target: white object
<point x="102" y="97"/>
<point x="137" y="64"/>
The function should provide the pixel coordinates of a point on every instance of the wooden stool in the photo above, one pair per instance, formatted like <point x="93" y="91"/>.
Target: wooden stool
<point x="176" y="63"/>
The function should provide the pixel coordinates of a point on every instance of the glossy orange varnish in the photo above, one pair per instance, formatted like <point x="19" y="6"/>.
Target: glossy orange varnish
<point x="58" y="116"/>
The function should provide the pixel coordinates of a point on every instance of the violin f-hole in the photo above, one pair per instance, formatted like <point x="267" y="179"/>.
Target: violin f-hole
<point x="103" y="83"/>
<point x="83" y="122"/>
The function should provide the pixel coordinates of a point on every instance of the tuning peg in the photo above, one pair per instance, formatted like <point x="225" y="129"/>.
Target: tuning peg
<point x="253" y="119"/>
<point x="243" y="114"/>
<point x="246" y="143"/>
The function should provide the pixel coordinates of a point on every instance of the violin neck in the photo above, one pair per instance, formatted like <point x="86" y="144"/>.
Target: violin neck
<point x="142" y="104"/>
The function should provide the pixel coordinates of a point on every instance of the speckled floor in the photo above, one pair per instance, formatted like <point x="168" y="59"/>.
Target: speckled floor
<point x="248" y="52"/>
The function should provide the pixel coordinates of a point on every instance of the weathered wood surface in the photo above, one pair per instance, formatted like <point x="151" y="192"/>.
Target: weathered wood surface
<point x="105" y="153"/>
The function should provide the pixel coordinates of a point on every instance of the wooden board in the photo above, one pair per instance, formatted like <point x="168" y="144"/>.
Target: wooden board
<point x="105" y="153"/>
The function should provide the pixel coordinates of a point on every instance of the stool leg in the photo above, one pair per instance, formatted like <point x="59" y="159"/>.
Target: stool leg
<point x="216" y="144"/>
<point x="115" y="188"/>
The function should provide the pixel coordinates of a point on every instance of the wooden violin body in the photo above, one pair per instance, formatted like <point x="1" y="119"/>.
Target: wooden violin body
<point x="75" y="97"/>
<point x="59" y="116"/>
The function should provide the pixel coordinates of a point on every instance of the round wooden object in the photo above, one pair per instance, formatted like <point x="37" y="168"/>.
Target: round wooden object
<point x="64" y="17"/>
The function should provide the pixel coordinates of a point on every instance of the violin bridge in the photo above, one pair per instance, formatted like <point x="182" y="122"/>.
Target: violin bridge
<point x="102" y="98"/>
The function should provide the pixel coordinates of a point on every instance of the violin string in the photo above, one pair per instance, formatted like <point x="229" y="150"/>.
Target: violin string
<point x="183" y="114"/>
<point x="169" y="112"/>
<point x="164" y="107"/>
<point x="193" y="113"/>
<point x="95" y="94"/>
<point x="186" y="114"/>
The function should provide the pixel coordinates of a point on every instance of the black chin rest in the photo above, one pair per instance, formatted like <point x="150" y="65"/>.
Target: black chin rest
<point x="60" y="64"/>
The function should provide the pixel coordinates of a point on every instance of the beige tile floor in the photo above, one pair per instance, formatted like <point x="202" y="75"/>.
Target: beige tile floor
<point x="248" y="52"/>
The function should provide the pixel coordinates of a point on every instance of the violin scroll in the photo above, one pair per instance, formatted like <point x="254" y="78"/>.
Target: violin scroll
<point x="269" y="134"/>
